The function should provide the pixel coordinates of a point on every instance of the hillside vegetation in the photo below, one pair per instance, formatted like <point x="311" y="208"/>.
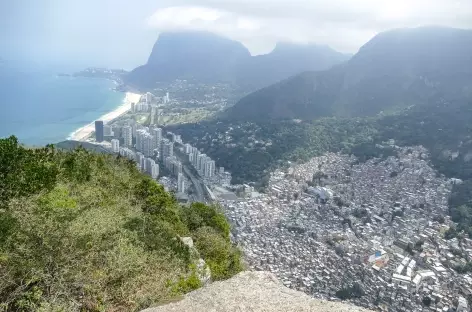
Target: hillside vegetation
<point x="88" y="232"/>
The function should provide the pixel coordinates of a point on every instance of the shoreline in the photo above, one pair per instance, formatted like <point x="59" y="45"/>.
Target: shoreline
<point x="83" y="133"/>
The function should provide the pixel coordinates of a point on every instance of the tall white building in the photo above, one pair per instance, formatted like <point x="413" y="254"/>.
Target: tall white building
<point x="195" y="154"/>
<point x="209" y="168"/>
<point x="140" y="161"/>
<point x="188" y="148"/>
<point x="148" y="97"/>
<point x="157" y="134"/>
<point x="149" y="164"/>
<point x="180" y="183"/>
<point x="128" y="136"/>
<point x="178" y="138"/>
<point x="148" y="146"/>
<point x="126" y="152"/>
<point x="155" y="171"/>
<point x="167" y="149"/>
<point x="115" y="145"/>
<point x="201" y="160"/>
<point x="166" y="98"/>
<point x="153" y="114"/>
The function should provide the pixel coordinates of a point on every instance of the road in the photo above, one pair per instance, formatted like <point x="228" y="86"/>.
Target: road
<point x="197" y="183"/>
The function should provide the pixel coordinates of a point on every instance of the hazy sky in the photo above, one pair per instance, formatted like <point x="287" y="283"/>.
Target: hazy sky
<point x="121" y="33"/>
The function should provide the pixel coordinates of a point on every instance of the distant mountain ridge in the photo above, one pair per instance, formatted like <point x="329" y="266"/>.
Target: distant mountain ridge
<point x="207" y="57"/>
<point x="394" y="70"/>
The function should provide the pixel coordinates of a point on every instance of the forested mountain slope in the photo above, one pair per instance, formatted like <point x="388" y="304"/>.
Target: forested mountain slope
<point x="394" y="70"/>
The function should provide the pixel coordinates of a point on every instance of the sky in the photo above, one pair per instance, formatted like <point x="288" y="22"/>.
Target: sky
<point x="121" y="33"/>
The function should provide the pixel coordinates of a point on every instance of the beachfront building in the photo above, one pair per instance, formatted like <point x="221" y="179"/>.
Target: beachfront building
<point x="107" y="131"/>
<point x="115" y="145"/>
<point x="99" y="130"/>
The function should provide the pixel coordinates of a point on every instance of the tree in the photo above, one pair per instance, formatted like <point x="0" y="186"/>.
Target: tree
<point x="427" y="301"/>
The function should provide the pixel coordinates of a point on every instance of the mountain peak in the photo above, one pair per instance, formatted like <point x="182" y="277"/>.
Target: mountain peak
<point x="207" y="57"/>
<point x="394" y="70"/>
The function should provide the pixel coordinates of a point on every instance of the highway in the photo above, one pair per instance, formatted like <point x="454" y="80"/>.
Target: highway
<point x="198" y="185"/>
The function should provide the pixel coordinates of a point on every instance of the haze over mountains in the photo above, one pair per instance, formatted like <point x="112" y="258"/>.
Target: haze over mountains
<point x="207" y="57"/>
<point x="394" y="70"/>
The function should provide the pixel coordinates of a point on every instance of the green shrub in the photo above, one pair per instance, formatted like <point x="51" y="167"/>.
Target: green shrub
<point x="87" y="232"/>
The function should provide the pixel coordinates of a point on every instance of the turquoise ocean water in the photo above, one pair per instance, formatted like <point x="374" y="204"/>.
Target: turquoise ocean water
<point x="39" y="107"/>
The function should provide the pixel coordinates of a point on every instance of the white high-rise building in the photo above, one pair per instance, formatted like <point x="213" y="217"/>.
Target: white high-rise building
<point x="155" y="171"/>
<point x="140" y="161"/>
<point x="180" y="183"/>
<point x="149" y="164"/>
<point x="188" y="148"/>
<point x="144" y="141"/>
<point x="157" y="134"/>
<point x="167" y="149"/>
<point x="209" y="168"/>
<point x="115" y="145"/>
<point x="148" y="98"/>
<point x="222" y="170"/>
<point x="178" y="138"/>
<point x="166" y="98"/>
<point x="128" y="136"/>
<point x="195" y="153"/>
<point x="148" y="149"/>
<point x="202" y="159"/>
<point x="126" y="152"/>
<point x="153" y="114"/>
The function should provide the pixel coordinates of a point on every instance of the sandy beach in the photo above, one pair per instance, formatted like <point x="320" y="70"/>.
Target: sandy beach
<point x="83" y="133"/>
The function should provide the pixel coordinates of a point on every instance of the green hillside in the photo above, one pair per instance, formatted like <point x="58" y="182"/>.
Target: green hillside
<point x="87" y="232"/>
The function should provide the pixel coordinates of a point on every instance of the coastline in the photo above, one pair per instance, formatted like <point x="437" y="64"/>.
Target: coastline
<point x="84" y="132"/>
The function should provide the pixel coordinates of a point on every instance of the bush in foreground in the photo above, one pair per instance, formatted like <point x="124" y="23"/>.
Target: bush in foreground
<point x="88" y="232"/>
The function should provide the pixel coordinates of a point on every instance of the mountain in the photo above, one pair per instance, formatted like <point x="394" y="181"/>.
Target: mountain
<point x="206" y="57"/>
<point x="189" y="55"/>
<point x="394" y="70"/>
<point x="286" y="60"/>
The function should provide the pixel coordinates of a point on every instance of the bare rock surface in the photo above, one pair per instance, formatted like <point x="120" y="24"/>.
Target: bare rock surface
<point x="252" y="292"/>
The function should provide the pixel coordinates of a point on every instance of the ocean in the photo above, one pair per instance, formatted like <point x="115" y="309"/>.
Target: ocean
<point x="39" y="107"/>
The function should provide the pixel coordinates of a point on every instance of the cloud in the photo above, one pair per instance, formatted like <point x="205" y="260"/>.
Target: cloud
<point x="342" y="24"/>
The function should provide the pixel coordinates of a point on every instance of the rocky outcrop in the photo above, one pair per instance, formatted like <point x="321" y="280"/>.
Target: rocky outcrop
<point x="254" y="292"/>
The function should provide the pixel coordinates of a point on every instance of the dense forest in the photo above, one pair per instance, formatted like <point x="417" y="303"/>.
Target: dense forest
<point x="87" y="232"/>
<point x="251" y="150"/>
